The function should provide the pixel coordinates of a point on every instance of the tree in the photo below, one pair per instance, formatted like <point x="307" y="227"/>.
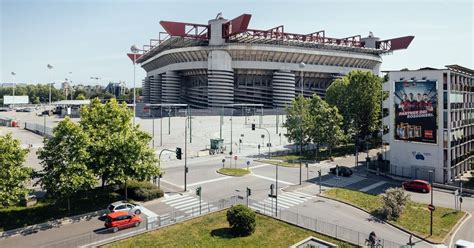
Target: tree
<point x="324" y="123"/>
<point x="357" y="96"/>
<point x="36" y="100"/>
<point x="13" y="174"/>
<point x="64" y="159"/>
<point x="241" y="220"/>
<point x="119" y="151"/>
<point x="297" y="121"/>
<point x="80" y="97"/>
<point x="394" y="201"/>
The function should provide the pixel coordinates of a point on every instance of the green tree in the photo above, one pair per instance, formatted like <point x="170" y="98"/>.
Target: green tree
<point x="297" y="127"/>
<point x="13" y="174"/>
<point x="36" y="100"/>
<point x="324" y="123"/>
<point x="80" y="97"/>
<point x="241" y="219"/>
<point x="64" y="159"/>
<point x="119" y="151"/>
<point x="357" y="96"/>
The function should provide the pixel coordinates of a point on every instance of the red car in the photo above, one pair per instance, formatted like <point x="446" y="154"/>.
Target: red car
<point x="120" y="219"/>
<point x="417" y="185"/>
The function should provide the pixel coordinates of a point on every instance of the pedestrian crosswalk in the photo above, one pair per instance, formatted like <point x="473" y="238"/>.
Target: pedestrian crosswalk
<point x="342" y="181"/>
<point x="285" y="200"/>
<point x="189" y="204"/>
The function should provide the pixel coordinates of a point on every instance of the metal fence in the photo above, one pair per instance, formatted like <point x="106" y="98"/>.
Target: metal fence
<point x="39" y="129"/>
<point x="319" y="226"/>
<point x="103" y="235"/>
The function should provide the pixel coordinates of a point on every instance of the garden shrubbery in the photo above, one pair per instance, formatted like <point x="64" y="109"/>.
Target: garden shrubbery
<point x="241" y="220"/>
<point x="143" y="191"/>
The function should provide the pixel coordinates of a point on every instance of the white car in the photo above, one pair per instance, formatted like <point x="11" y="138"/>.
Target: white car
<point x="124" y="206"/>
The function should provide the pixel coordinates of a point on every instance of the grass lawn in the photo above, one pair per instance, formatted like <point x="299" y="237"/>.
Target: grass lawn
<point x="213" y="231"/>
<point x="236" y="172"/>
<point x="415" y="218"/>
<point x="323" y="154"/>
<point x="280" y="163"/>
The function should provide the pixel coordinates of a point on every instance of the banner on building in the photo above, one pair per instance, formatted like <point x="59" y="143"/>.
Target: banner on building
<point x="416" y="105"/>
<point x="15" y="100"/>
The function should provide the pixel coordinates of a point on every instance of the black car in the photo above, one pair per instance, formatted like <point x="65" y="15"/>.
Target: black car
<point x="342" y="171"/>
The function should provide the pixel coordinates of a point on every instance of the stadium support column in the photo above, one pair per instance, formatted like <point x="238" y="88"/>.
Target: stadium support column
<point x="170" y="87"/>
<point x="155" y="84"/>
<point x="283" y="87"/>
<point x="220" y="79"/>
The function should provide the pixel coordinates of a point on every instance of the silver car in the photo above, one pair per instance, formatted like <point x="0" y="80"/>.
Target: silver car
<point x="125" y="206"/>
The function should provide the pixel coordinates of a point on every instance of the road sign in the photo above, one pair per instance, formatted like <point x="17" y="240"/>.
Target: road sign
<point x="263" y="136"/>
<point x="456" y="192"/>
<point x="431" y="207"/>
<point x="240" y="197"/>
<point x="223" y="160"/>
<point x="242" y="135"/>
<point x="248" y="162"/>
<point x="269" y="144"/>
<point x="272" y="196"/>
<point x="235" y="157"/>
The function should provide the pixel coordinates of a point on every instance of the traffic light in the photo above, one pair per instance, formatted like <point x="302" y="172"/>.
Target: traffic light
<point x="178" y="153"/>
<point x="253" y="127"/>
<point x="198" y="191"/>
<point x="249" y="192"/>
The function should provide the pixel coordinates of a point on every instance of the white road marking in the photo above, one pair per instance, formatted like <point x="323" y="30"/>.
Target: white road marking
<point x="372" y="186"/>
<point x="209" y="181"/>
<point x="148" y="212"/>
<point x="271" y="179"/>
<point x="285" y="200"/>
<point x="258" y="166"/>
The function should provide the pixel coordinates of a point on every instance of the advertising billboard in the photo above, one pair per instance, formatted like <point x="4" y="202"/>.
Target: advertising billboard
<point x="416" y="105"/>
<point x="15" y="100"/>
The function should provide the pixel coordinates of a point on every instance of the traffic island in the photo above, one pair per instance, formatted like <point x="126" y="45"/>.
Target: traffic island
<point x="213" y="231"/>
<point x="234" y="172"/>
<point x="415" y="218"/>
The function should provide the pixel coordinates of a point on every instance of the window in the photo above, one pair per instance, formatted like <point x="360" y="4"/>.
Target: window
<point x="120" y="207"/>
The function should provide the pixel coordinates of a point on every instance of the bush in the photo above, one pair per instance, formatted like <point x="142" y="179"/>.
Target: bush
<point x="142" y="191"/>
<point x="241" y="219"/>
<point x="394" y="201"/>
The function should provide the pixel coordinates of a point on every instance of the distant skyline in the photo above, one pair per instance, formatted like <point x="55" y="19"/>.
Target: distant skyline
<point x="91" y="38"/>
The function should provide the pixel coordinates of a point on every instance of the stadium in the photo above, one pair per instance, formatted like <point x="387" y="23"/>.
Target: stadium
<point x="224" y="62"/>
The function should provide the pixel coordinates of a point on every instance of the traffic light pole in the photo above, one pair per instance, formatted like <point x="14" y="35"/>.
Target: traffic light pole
<point x="185" y="153"/>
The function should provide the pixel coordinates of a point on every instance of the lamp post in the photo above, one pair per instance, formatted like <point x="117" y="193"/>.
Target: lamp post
<point x="134" y="49"/>
<point x="50" y="67"/>
<point x="302" y="66"/>
<point x="14" y="86"/>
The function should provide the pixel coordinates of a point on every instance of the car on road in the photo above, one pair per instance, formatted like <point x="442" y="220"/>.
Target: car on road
<point x="120" y="220"/>
<point x="417" y="185"/>
<point x="124" y="206"/>
<point x="341" y="171"/>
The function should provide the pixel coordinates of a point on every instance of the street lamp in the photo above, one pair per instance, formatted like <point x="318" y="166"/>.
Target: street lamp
<point x="134" y="49"/>
<point x="14" y="86"/>
<point x="302" y="66"/>
<point x="50" y="67"/>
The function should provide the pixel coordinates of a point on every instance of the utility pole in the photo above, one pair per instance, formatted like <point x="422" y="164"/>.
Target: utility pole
<point x="431" y="210"/>
<point x="319" y="174"/>
<point x="161" y="126"/>
<point x="276" y="192"/>
<point x="185" y="153"/>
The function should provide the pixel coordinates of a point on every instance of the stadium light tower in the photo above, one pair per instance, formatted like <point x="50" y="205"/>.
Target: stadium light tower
<point x="14" y="85"/>
<point x="50" y="67"/>
<point x="134" y="49"/>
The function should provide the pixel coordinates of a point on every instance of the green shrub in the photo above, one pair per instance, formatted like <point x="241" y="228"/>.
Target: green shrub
<point x="394" y="201"/>
<point x="142" y="191"/>
<point x="241" y="220"/>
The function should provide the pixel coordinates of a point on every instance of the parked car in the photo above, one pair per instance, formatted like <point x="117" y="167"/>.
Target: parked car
<point x="124" y="206"/>
<point x="342" y="171"/>
<point x="417" y="185"/>
<point x="120" y="220"/>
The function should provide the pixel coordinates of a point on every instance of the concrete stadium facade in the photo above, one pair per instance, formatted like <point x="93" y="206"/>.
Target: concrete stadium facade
<point x="218" y="67"/>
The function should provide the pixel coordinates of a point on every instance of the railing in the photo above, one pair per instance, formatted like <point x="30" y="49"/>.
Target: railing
<point x="319" y="226"/>
<point x="39" y="129"/>
<point x="105" y="235"/>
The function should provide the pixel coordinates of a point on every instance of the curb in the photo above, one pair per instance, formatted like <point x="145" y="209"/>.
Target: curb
<point x="391" y="224"/>
<point x="456" y="228"/>
<point x="233" y="175"/>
